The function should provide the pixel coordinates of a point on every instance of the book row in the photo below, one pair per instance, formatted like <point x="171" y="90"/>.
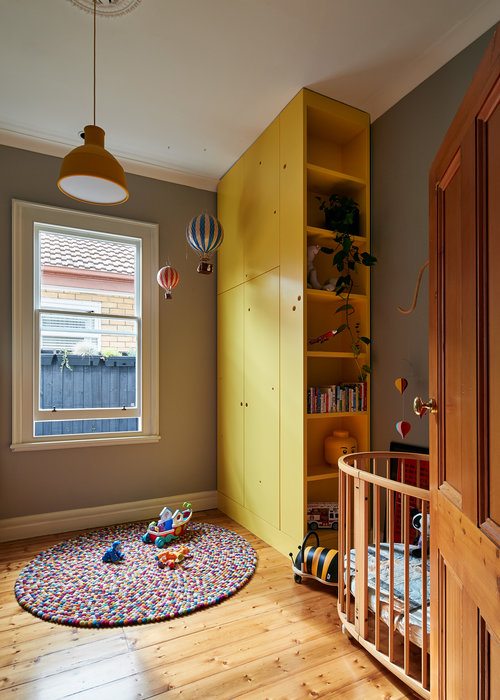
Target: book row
<point x="337" y="398"/>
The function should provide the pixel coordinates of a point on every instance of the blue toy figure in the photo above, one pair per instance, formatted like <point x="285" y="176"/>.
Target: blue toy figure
<point x="114" y="553"/>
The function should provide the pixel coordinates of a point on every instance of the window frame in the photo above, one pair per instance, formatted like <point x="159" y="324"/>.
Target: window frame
<point x="26" y="216"/>
<point x="78" y="307"/>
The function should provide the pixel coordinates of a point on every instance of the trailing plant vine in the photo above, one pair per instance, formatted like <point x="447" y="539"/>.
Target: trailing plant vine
<point x="342" y="217"/>
<point x="65" y="361"/>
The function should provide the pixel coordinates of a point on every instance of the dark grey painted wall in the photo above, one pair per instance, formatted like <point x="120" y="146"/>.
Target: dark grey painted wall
<point x="404" y="142"/>
<point x="184" y="460"/>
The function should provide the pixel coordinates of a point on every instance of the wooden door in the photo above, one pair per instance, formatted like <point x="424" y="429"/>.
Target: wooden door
<point x="230" y="394"/>
<point x="262" y="434"/>
<point x="465" y="380"/>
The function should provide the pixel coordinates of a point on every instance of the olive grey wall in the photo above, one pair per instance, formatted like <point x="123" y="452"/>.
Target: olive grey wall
<point x="184" y="460"/>
<point x="404" y="142"/>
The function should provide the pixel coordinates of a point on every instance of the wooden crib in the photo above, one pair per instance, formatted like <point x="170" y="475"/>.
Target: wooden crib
<point x="384" y="600"/>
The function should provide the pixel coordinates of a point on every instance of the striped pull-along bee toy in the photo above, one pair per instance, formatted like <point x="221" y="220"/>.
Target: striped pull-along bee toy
<point x="315" y="562"/>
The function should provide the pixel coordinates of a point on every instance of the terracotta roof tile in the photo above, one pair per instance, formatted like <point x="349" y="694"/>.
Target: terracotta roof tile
<point x="86" y="254"/>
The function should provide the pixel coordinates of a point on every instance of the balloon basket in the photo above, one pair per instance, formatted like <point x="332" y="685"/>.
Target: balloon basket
<point x="205" y="267"/>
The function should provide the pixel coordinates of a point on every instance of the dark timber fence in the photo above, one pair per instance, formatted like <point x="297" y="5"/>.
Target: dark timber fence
<point x="76" y="381"/>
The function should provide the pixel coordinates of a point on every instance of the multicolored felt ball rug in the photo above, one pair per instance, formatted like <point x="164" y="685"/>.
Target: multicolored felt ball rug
<point x="70" y="584"/>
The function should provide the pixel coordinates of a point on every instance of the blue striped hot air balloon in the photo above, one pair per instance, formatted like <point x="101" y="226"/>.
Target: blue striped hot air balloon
<point x="204" y="234"/>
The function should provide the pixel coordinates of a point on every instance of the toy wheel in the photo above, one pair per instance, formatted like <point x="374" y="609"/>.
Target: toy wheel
<point x="146" y="538"/>
<point x="335" y="526"/>
<point x="160" y="542"/>
<point x="297" y="578"/>
<point x="313" y="525"/>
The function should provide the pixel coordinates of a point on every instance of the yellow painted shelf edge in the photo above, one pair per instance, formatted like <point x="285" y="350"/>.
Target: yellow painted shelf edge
<point x="334" y="174"/>
<point x="320" y="472"/>
<point x="335" y="414"/>
<point x="323" y="295"/>
<point x="327" y="234"/>
<point x="325" y="354"/>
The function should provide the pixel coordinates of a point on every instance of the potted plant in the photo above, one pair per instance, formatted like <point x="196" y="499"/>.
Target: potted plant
<point x="342" y="217"/>
<point x="341" y="213"/>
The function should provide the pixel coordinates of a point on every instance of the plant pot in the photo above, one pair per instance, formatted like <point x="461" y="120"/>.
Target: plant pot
<point x="47" y="358"/>
<point x="120" y="361"/>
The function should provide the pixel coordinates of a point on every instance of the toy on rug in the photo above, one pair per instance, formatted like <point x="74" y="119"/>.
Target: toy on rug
<point x="172" y="557"/>
<point x="315" y="562"/>
<point x="114" y="553"/>
<point x="169" y="527"/>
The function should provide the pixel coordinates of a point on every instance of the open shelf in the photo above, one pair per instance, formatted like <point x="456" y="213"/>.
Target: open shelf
<point x="322" y="471"/>
<point x="324" y="181"/>
<point x="328" y="538"/>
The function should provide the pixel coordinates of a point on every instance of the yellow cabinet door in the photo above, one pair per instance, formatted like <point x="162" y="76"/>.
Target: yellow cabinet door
<point x="262" y="396"/>
<point x="230" y="265"/>
<point x="230" y="387"/>
<point x="260" y="203"/>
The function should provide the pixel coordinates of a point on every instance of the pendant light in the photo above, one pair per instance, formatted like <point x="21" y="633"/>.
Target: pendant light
<point x="90" y="173"/>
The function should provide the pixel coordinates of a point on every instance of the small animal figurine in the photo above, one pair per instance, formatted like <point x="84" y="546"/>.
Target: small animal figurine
<point x="113" y="554"/>
<point x="312" y="275"/>
<point x="417" y="524"/>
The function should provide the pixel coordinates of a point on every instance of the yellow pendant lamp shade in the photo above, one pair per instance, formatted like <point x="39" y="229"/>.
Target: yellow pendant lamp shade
<point x="90" y="173"/>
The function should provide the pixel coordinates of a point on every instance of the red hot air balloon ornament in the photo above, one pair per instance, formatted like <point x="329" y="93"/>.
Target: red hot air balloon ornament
<point x="168" y="278"/>
<point x="204" y="234"/>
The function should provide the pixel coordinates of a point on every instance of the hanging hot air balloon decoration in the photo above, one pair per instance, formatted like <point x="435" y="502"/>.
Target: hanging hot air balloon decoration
<point x="204" y="234"/>
<point x="168" y="278"/>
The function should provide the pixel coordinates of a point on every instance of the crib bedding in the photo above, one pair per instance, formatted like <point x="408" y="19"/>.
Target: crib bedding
<point x="415" y="588"/>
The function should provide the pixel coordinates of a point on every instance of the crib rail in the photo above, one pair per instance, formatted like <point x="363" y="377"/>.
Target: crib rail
<point x="383" y="585"/>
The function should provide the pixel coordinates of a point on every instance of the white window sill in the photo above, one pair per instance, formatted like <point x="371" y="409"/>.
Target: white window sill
<point x="83" y="442"/>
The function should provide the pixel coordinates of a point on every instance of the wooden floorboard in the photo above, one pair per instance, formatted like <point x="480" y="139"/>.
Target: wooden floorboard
<point x="273" y="640"/>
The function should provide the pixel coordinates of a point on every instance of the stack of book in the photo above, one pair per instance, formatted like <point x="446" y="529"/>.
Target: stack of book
<point x="337" y="398"/>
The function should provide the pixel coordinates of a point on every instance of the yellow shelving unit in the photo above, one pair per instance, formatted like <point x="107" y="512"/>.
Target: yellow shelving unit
<point x="270" y="450"/>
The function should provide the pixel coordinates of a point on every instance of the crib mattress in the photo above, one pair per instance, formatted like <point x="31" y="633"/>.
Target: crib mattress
<point x="415" y="588"/>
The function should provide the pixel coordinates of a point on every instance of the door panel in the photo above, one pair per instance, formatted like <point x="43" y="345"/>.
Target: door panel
<point x="230" y="446"/>
<point x="463" y="340"/>
<point x="453" y="331"/>
<point x="230" y="265"/>
<point x="491" y="125"/>
<point x="262" y="396"/>
<point x="260" y="202"/>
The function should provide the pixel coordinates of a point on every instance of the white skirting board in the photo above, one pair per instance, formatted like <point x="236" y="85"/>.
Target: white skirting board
<point x="82" y="518"/>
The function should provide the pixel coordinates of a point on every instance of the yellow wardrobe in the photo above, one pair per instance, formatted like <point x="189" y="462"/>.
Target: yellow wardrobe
<point x="270" y="460"/>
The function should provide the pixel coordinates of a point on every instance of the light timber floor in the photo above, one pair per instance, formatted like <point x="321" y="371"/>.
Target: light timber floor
<point x="274" y="639"/>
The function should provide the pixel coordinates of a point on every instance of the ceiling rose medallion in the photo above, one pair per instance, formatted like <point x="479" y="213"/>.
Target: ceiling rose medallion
<point x="107" y="8"/>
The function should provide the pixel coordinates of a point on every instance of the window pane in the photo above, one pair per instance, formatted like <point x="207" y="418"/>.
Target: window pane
<point x="87" y="365"/>
<point x="87" y="274"/>
<point x="86" y="427"/>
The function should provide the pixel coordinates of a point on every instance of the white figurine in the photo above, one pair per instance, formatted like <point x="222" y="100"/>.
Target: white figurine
<point x="312" y="275"/>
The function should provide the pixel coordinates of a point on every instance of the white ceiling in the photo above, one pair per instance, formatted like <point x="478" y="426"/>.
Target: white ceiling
<point x="185" y="86"/>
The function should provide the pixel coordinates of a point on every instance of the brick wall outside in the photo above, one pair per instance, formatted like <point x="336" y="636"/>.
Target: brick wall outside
<point x="113" y="304"/>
